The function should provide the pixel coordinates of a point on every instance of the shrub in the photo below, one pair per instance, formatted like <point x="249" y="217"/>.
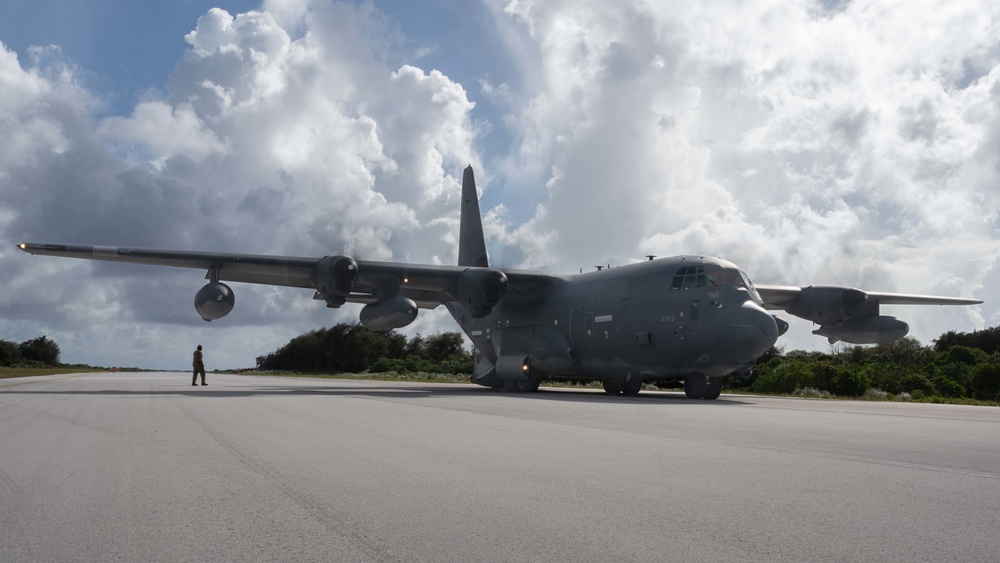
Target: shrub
<point x="812" y="392"/>
<point x="956" y="371"/>
<point x="784" y="377"/>
<point x="852" y="382"/>
<point x="40" y="349"/>
<point x="10" y="354"/>
<point x="964" y="355"/>
<point x="875" y="394"/>
<point x="985" y="381"/>
<point x="947" y="387"/>
<point x="896" y="378"/>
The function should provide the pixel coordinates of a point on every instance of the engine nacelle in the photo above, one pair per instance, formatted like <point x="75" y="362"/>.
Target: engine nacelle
<point x="480" y="289"/>
<point x="866" y="330"/>
<point x="214" y="301"/>
<point x="390" y="313"/>
<point x="334" y="279"/>
<point x="828" y="305"/>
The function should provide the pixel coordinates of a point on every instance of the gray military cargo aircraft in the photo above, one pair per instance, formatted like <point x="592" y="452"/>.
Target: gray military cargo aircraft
<point x="684" y="320"/>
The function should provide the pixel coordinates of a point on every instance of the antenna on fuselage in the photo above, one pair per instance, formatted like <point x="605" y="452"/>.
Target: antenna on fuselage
<point x="651" y="257"/>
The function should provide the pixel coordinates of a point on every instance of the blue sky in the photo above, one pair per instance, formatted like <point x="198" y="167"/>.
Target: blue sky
<point x="124" y="48"/>
<point x="847" y="143"/>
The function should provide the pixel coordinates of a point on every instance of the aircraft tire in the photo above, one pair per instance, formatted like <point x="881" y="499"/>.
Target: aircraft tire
<point x="632" y="386"/>
<point x="529" y="385"/>
<point x="613" y="385"/>
<point x="713" y="389"/>
<point x="695" y="386"/>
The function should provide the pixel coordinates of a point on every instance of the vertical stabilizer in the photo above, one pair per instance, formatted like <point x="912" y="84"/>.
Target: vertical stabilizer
<point x="471" y="242"/>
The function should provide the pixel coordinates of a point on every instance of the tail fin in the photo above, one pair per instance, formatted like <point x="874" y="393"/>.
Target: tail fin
<point x="471" y="242"/>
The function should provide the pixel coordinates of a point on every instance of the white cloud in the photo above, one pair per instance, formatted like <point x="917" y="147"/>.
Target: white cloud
<point x="164" y="130"/>
<point x="850" y="144"/>
<point x="855" y="145"/>
<point x="262" y="144"/>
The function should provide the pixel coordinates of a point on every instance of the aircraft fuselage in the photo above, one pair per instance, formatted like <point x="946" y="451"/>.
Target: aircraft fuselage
<point x="661" y="320"/>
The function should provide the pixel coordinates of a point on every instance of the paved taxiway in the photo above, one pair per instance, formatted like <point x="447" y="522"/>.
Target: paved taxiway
<point x="144" y="467"/>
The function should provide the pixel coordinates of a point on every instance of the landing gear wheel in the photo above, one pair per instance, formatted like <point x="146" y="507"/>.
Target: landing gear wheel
<point x="613" y="385"/>
<point x="529" y="385"/>
<point x="713" y="389"/>
<point x="632" y="385"/>
<point x="695" y="386"/>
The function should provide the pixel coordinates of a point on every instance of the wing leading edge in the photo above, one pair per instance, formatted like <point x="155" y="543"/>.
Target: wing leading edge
<point x="428" y="286"/>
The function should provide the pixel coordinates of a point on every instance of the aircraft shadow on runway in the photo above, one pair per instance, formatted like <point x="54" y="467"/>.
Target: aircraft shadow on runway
<point x="221" y="391"/>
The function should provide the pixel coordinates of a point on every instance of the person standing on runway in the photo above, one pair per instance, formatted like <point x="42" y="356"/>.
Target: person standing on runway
<point x="199" y="367"/>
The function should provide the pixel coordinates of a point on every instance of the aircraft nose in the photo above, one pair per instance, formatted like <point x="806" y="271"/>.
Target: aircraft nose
<point x="751" y="331"/>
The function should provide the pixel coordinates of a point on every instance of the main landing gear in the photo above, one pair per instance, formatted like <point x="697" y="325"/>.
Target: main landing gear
<point x="529" y="385"/>
<point x="701" y="387"/>
<point x="613" y="385"/>
<point x="631" y="385"/>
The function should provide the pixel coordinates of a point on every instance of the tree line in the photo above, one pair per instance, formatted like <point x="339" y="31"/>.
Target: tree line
<point x="957" y="366"/>
<point x="351" y="348"/>
<point x="36" y="352"/>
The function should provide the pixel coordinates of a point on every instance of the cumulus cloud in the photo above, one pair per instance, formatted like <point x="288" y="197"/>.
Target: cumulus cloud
<point x="263" y="143"/>
<point x="846" y="143"/>
<point x="163" y="131"/>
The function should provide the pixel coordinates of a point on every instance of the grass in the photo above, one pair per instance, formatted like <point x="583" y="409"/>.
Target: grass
<point x="6" y="373"/>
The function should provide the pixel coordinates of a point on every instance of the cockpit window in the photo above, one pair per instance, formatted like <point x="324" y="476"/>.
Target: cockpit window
<point x="749" y="284"/>
<point x="688" y="277"/>
<point x="741" y="279"/>
<point x="734" y="277"/>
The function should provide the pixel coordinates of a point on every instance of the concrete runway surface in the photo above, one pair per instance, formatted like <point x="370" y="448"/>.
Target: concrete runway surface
<point x="144" y="467"/>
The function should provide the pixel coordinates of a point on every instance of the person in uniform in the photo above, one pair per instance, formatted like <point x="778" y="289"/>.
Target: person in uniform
<point x="199" y="367"/>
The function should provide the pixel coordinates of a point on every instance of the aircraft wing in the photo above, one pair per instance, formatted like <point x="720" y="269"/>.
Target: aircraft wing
<point x="781" y="296"/>
<point x="427" y="285"/>
<point x="774" y="296"/>
<point x="848" y="314"/>
<point x="912" y="299"/>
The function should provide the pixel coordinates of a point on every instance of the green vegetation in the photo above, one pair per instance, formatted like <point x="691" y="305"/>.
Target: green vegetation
<point x="38" y="356"/>
<point x="351" y="348"/>
<point x="36" y="353"/>
<point x="6" y="373"/>
<point x="959" y="368"/>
